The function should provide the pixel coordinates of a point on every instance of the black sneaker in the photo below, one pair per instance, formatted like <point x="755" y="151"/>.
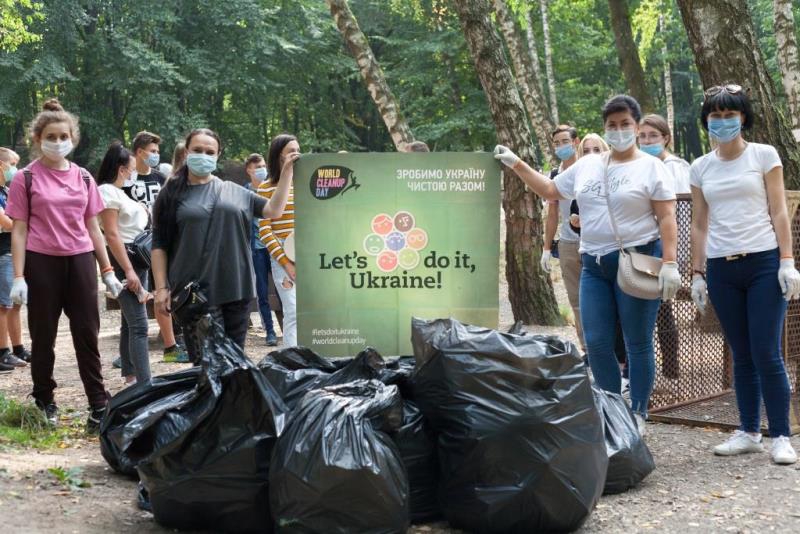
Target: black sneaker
<point x="50" y="412"/>
<point x="6" y="358"/>
<point x="94" y="420"/>
<point x="272" y="339"/>
<point x="5" y="369"/>
<point x="23" y="354"/>
<point x="117" y="364"/>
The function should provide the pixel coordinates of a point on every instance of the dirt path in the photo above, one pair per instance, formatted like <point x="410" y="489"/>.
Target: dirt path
<point x="691" y="491"/>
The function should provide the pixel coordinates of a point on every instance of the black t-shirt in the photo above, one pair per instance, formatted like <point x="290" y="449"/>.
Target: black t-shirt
<point x="5" y="237"/>
<point x="573" y="206"/>
<point x="145" y="188"/>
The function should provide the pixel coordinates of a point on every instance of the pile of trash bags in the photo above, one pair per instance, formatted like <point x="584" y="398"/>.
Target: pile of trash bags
<point x="495" y="432"/>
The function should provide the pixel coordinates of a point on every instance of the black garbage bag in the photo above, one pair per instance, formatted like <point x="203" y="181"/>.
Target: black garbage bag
<point x="417" y="446"/>
<point x="520" y="440"/>
<point x="131" y="404"/>
<point x="629" y="459"/>
<point x="205" y="457"/>
<point x="336" y="468"/>
<point x="296" y="371"/>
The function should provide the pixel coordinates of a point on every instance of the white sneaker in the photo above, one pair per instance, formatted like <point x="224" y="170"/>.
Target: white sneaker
<point x="782" y="451"/>
<point x="739" y="443"/>
<point x="640" y="424"/>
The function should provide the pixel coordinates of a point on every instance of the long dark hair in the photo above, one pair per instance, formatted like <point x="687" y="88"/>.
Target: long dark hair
<point x="165" y="225"/>
<point x="116" y="156"/>
<point x="274" y="156"/>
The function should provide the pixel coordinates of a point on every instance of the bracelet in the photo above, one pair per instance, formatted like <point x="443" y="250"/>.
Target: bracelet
<point x="670" y="262"/>
<point x="107" y="270"/>
<point x="162" y="288"/>
<point x="19" y="276"/>
<point x="701" y="273"/>
<point x="787" y="257"/>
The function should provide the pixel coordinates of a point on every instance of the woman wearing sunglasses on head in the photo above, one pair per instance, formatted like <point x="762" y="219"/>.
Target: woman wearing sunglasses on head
<point x="740" y="223"/>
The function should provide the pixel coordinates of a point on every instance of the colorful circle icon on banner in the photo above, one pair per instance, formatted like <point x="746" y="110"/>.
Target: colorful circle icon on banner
<point x="387" y="261"/>
<point x="382" y="224"/>
<point x="408" y="259"/>
<point x="395" y="241"/>
<point x="373" y="244"/>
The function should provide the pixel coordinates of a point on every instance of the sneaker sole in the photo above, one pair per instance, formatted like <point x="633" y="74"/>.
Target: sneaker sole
<point x="748" y="451"/>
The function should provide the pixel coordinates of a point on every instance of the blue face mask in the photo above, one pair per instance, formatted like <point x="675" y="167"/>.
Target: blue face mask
<point x="152" y="159"/>
<point x="9" y="174"/>
<point x="724" y="130"/>
<point x="564" y="152"/>
<point x="653" y="150"/>
<point x="260" y="173"/>
<point x="201" y="164"/>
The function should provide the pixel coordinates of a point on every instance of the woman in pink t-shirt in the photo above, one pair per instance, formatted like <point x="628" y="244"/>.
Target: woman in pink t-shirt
<point x="54" y="242"/>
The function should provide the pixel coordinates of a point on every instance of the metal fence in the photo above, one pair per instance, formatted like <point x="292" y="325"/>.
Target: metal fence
<point x="694" y="373"/>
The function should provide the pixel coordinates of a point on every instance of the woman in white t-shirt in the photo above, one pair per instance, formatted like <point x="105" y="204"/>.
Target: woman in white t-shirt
<point x="740" y="223"/>
<point x="643" y="204"/>
<point x="122" y="220"/>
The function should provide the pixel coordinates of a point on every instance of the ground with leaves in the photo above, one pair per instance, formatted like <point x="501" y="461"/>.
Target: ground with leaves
<point x="62" y="484"/>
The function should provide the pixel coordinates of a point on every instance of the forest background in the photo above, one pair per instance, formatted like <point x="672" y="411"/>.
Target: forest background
<point x="460" y="74"/>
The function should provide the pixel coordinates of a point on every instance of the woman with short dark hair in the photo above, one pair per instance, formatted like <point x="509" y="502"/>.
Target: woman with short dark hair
<point x="639" y="191"/>
<point x="740" y="223"/>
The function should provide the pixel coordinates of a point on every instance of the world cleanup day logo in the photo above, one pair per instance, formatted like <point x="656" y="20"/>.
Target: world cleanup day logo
<point x="330" y="181"/>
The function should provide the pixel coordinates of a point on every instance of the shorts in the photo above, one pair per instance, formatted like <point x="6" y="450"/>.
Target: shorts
<point x="6" y="280"/>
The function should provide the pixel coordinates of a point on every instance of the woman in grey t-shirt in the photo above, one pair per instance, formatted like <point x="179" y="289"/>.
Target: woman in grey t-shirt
<point x="202" y="233"/>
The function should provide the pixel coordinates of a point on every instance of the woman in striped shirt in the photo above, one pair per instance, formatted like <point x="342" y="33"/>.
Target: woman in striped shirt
<point x="273" y="233"/>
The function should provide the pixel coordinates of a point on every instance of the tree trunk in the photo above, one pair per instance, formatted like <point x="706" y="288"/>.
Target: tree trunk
<point x="788" y="56"/>
<point x="372" y="73"/>
<point x="667" y="76"/>
<point x="548" y="62"/>
<point x="629" y="54"/>
<point x="713" y="36"/>
<point x="529" y="289"/>
<point x="533" y="49"/>
<point x="528" y="84"/>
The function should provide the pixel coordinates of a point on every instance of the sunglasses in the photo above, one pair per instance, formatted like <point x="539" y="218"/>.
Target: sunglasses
<point x="730" y="88"/>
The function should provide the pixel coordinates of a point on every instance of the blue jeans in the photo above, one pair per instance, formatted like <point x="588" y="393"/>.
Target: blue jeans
<point x="133" y="349"/>
<point x="602" y="303"/>
<point x="261" y="264"/>
<point x="750" y="306"/>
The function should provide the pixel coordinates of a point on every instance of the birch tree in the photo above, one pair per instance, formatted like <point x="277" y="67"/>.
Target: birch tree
<point x="788" y="56"/>
<point x="529" y="288"/>
<point x="548" y="61"/>
<point x="372" y="73"/>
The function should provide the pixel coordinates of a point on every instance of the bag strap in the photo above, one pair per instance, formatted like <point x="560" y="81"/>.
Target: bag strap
<point x="608" y="204"/>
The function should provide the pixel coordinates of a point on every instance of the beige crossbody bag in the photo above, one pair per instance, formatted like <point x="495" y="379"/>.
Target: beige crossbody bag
<point x="637" y="274"/>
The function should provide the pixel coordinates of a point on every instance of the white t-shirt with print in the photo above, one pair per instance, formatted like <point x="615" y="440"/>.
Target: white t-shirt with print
<point x="679" y="169"/>
<point x="738" y="212"/>
<point x="633" y="184"/>
<point x="132" y="219"/>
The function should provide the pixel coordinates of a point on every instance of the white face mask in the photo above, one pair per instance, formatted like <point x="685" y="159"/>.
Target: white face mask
<point x="55" y="150"/>
<point x="620" y="140"/>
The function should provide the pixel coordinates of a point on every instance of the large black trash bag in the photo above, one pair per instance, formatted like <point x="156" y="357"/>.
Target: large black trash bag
<point x="417" y="446"/>
<point x="134" y="403"/>
<point x="629" y="459"/>
<point x="521" y="443"/>
<point x="294" y="372"/>
<point x="335" y="468"/>
<point x="206" y="458"/>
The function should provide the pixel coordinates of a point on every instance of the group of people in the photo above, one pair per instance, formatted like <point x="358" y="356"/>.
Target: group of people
<point x="741" y="249"/>
<point x="62" y="222"/>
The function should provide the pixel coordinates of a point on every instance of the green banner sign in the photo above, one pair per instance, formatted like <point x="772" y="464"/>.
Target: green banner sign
<point x="384" y="237"/>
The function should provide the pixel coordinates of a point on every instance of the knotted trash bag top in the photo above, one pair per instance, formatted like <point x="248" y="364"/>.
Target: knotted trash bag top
<point x="520" y="440"/>
<point x="129" y="413"/>
<point x="335" y="468"/>
<point x="629" y="459"/>
<point x="295" y="371"/>
<point x="205" y="458"/>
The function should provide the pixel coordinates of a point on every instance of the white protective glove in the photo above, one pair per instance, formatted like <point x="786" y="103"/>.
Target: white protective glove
<point x="699" y="292"/>
<point x="789" y="279"/>
<point x="546" y="255"/>
<point x="669" y="280"/>
<point x="19" y="291"/>
<point x="506" y="156"/>
<point x="113" y="286"/>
